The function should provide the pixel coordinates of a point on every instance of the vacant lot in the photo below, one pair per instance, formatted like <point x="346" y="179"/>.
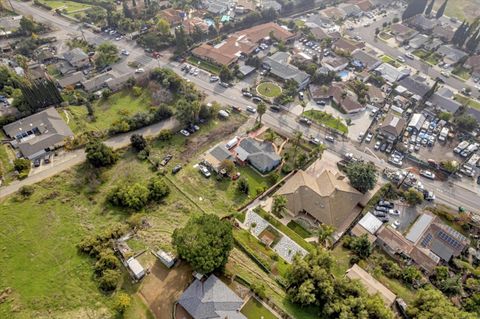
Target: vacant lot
<point x="461" y="9"/>
<point x="106" y="112"/>
<point x="326" y="119"/>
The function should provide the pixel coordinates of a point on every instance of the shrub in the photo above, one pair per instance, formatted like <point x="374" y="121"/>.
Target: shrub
<point x="158" y="189"/>
<point x="138" y="142"/>
<point x="130" y="196"/>
<point x="122" y="302"/>
<point x="26" y="191"/>
<point x="243" y="186"/>
<point x="137" y="91"/>
<point x="165" y="135"/>
<point x="109" y="280"/>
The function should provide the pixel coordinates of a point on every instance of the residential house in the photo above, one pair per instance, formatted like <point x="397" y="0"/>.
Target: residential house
<point x="216" y="155"/>
<point x="393" y="242"/>
<point x="71" y="80"/>
<point x="245" y="6"/>
<point x="368" y="225"/>
<point x="97" y="82"/>
<point x="372" y="285"/>
<point x="422" y="23"/>
<point x="473" y="64"/>
<point x="364" y="60"/>
<point x="375" y="95"/>
<point x="323" y="194"/>
<point x="346" y="46"/>
<point x="279" y="66"/>
<point x="275" y="5"/>
<point x="319" y="93"/>
<point x="336" y="63"/>
<point x="37" y="134"/>
<point x="364" y="5"/>
<point x="414" y="85"/>
<point x="77" y="58"/>
<point x="444" y="103"/>
<point x="392" y="127"/>
<point x="390" y="73"/>
<point x="450" y="54"/>
<point x="173" y="16"/>
<point x="115" y="84"/>
<point x="259" y="154"/>
<point x="319" y="34"/>
<point x="402" y="32"/>
<point x="433" y="44"/>
<point x="333" y="13"/>
<point x="36" y="71"/>
<point x="418" y="41"/>
<point x="44" y="55"/>
<point x="217" y="7"/>
<point x="240" y="43"/>
<point x="319" y="20"/>
<point x="190" y="24"/>
<point x="211" y="299"/>
<point x="339" y="94"/>
<point x="443" y="32"/>
<point x="351" y="10"/>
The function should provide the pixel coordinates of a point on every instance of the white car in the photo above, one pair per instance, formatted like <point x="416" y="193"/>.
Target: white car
<point x="214" y="78"/>
<point x="204" y="170"/>
<point x="125" y="52"/>
<point x="427" y="174"/>
<point x="445" y="74"/>
<point x="184" y="133"/>
<point x="251" y="109"/>
<point x="401" y="59"/>
<point x="377" y="146"/>
<point x="139" y="70"/>
<point x="315" y="141"/>
<point x="394" y="212"/>
<point x="395" y="224"/>
<point x="329" y="138"/>
<point x="409" y="55"/>
<point x="368" y="139"/>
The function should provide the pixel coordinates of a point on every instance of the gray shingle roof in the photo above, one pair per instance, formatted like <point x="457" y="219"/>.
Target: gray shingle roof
<point x="415" y="85"/>
<point x="75" y="55"/>
<point x="445" y="103"/>
<point x="260" y="155"/>
<point x="280" y="67"/>
<point x="211" y="299"/>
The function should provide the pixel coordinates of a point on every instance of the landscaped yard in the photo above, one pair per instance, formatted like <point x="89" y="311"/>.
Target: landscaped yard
<point x="269" y="89"/>
<point x="253" y="309"/>
<point x="461" y="72"/>
<point x="69" y="7"/>
<point x="207" y="66"/>
<point x="299" y="229"/>
<point x="106" y="112"/>
<point x="467" y="101"/>
<point x="326" y="119"/>
<point x="389" y="60"/>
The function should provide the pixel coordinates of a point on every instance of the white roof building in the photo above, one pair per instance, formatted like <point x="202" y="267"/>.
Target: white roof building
<point x="136" y="268"/>
<point x="370" y="223"/>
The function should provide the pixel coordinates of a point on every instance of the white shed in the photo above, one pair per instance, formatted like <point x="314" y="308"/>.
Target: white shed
<point x="166" y="258"/>
<point x="136" y="268"/>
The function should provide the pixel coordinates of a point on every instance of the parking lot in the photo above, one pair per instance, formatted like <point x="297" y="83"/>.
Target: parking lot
<point x="402" y="216"/>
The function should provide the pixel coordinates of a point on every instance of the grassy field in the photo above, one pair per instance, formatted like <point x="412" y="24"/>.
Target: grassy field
<point x="70" y="6"/>
<point x="299" y="229"/>
<point x="326" y="119"/>
<point x="461" y="9"/>
<point x="207" y="66"/>
<point x="269" y="89"/>
<point x="106" y="112"/>
<point x="389" y="60"/>
<point x="6" y="160"/>
<point x="461" y="72"/>
<point x="253" y="309"/>
<point x="467" y="101"/>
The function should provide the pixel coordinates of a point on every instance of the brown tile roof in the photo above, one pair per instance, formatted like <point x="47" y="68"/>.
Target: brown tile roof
<point x="262" y="31"/>
<point x="393" y="124"/>
<point x="424" y="258"/>
<point x="327" y="196"/>
<point x="247" y="4"/>
<point x="214" y="54"/>
<point x="319" y="34"/>
<point x="372" y="285"/>
<point x="348" y="103"/>
<point x="365" y="5"/>
<point x="333" y="12"/>
<point x="171" y="15"/>
<point x="394" y="240"/>
<point x="358" y="231"/>
<point x="189" y="25"/>
<point x="347" y="46"/>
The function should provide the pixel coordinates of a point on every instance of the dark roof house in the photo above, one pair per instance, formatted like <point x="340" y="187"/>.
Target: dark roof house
<point x="211" y="299"/>
<point x="259" y="154"/>
<point x="366" y="60"/>
<point x="278" y="65"/>
<point x="392" y="127"/>
<point x="450" y="54"/>
<point x="37" y="134"/>
<point x="77" y="58"/>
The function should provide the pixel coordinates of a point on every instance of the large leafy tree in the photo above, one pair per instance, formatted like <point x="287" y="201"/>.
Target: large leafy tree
<point x="100" y="155"/>
<point x="362" y="176"/>
<point x="205" y="242"/>
<point x="466" y="122"/>
<point x="431" y="304"/>
<point x="413" y="197"/>
<point x="107" y="54"/>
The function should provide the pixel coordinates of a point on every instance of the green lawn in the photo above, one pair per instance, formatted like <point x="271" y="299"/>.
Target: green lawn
<point x="6" y="160"/>
<point x="467" y="101"/>
<point x="70" y="6"/>
<point x="327" y="119"/>
<point x="269" y="89"/>
<point x="433" y="58"/>
<point x="461" y="9"/>
<point x="342" y="260"/>
<point x="106" y="112"/>
<point x="421" y="53"/>
<point x="299" y="229"/>
<point x="389" y="60"/>
<point x="461" y="72"/>
<point x="429" y="57"/>
<point x="253" y="309"/>
<point x="205" y="65"/>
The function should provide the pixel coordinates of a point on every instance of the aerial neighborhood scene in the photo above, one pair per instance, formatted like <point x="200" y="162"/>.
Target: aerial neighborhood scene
<point x="240" y="159"/>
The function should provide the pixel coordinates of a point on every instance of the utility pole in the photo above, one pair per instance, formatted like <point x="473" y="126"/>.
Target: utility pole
<point x="11" y="5"/>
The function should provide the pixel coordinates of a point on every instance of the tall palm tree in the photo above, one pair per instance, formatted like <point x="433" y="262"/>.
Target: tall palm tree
<point x="261" y="109"/>
<point x="325" y="233"/>
<point x="297" y="138"/>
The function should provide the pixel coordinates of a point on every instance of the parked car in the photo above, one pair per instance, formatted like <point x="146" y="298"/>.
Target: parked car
<point x="139" y="70"/>
<point x="409" y="55"/>
<point x="36" y="162"/>
<point x="389" y="148"/>
<point x="305" y="121"/>
<point x="385" y="203"/>
<point x="379" y="214"/>
<point x="247" y="94"/>
<point x="315" y="141"/>
<point x="330" y="138"/>
<point x="368" y="138"/>
<point x="256" y="99"/>
<point x="47" y="159"/>
<point x="251" y="109"/>
<point x="401" y="59"/>
<point x="166" y="159"/>
<point x="184" y="132"/>
<point x="377" y="145"/>
<point x="214" y="78"/>
<point x="394" y="212"/>
<point x="383" y="147"/>
<point x="204" y="170"/>
<point x="176" y="169"/>
<point x="427" y="174"/>
<point x="301" y="95"/>
<point x="381" y="208"/>
<point x="395" y="224"/>
<point x="224" y="84"/>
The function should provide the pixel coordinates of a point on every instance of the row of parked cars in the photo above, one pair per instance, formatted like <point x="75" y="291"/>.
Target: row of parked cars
<point x="384" y="209"/>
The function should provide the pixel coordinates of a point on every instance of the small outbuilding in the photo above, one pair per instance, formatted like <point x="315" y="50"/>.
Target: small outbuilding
<point x="166" y="258"/>
<point x="136" y="268"/>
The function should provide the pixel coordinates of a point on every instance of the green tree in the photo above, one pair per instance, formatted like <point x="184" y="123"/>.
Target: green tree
<point x="109" y="279"/>
<point x="325" y="233"/>
<point x="226" y="74"/>
<point x="139" y="143"/>
<point x="261" y="109"/>
<point x="446" y="116"/>
<point x="243" y="186"/>
<point x="205" y="242"/>
<point x="163" y="27"/>
<point x="158" y="189"/>
<point x="359" y="245"/>
<point x="411" y="275"/>
<point x="107" y="54"/>
<point x="441" y="10"/>
<point x="279" y="205"/>
<point x="431" y="304"/>
<point x="413" y="197"/>
<point x="122" y="302"/>
<point x="362" y="176"/>
<point x="100" y="155"/>
<point x="187" y="112"/>
<point x="228" y="166"/>
<point x="466" y="122"/>
<point x="134" y="196"/>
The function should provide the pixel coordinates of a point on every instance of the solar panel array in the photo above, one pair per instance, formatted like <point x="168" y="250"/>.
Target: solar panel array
<point x="449" y="239"/>
<point x="426" y="240"/>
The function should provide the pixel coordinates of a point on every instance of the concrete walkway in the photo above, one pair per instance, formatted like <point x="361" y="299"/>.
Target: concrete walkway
<point x="79" y="156"/>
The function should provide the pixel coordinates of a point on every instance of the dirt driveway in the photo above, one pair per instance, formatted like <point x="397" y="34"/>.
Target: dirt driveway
<point x="162" y="287"/>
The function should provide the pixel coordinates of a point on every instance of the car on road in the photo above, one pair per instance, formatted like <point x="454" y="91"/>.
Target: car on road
<point x="256" y="99"/>
<point x="466" y="91"/>
<point x="377" y="145"/>
<point x="427" y="174"/>
<point x="330" y="138"/>
<point x="251" y="109"/>
<point x="275" y="108"/>
<point x="36" y="162"/>
<point x="305" y="121"/>
<point x="214" y="78"/>
<point x="409" y="55"/>
<point x="139" y="70"/>
<point x="247" y="94"/>
<point x="368" y="138"/>
<point x="224" y="84"/>
<point x="401" y="59"/>
<point x="176" y="169"/>
<point x="445" y="74"/>
<point x="314" y="141"/>
<point x="184" y="132"/>
<point x="125" y="52"/>
<point x="204" y="170"/>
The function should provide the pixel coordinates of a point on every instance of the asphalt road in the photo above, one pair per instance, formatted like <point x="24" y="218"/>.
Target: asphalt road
<point x="286" y="122"/>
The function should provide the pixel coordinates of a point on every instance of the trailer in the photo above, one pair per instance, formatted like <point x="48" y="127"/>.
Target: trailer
<point x="461" y="146"/>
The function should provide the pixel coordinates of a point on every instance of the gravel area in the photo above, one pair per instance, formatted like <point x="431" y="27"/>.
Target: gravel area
<point x="252" y="218"/>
